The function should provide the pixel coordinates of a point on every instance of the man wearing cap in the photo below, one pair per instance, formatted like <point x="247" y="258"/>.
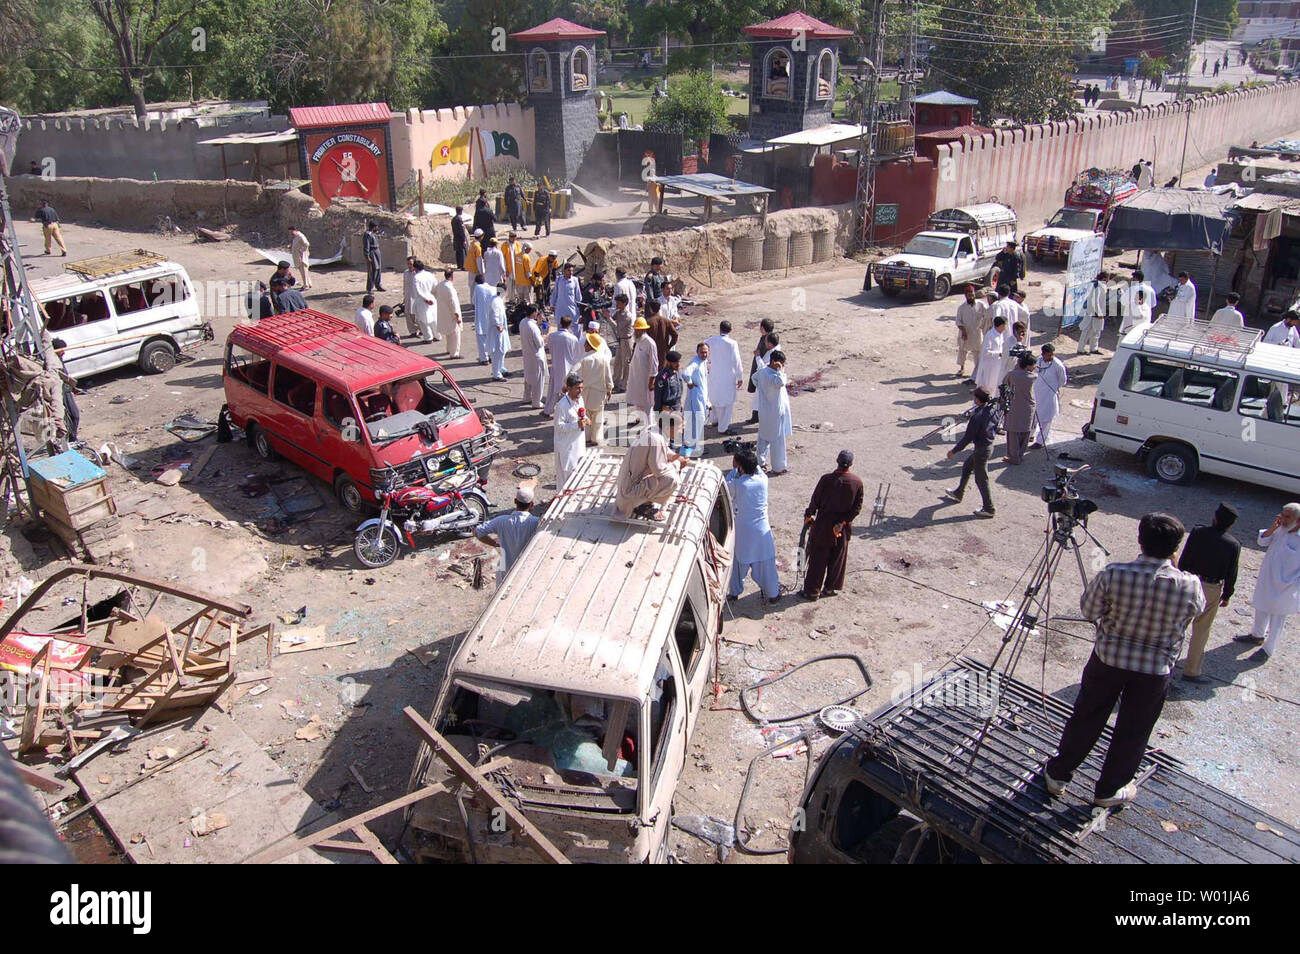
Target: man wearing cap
<point x="668" y="391"/>
<point x="374" y="261"/>
<point x="447" y="300"/>
<point x="836" y="503"/>
<point x="662" y="330"/>
<point x="514" y="197"/>
<point x="597" y="383"/>
<point x="474" y="256"/>
<point x="284" y="271"/>
<point x="1212" y="554"/>
<point x="648" y="475"/>
<point x="970" y="330"/>
<point x="522" y="273"/>
<point x="566" y="294"/>
<point x="773" y="403"/>
<point x="1009" y="265"/>
<point x="510" y="532"/>
<point x="642" y="369"/>
<point x="533" y="346"/>
<point x="482" y="297"/>
<point x="566" y="352"/>
<point x="725" y="376"/>
<point x="498" y="334"/>
<point x="286" y="298"/>
<point x="655" y="281"/>
<point x="623" y="316"/>
<point x="695" y="407"/>
<point x="494" y="263"/>
<point x="570" y="430"/>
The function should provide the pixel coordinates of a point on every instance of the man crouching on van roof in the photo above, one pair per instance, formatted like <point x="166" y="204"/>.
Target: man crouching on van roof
<point x="755" y="546"/>
<point x="648" y="476"/>
<point x="512" y="531"/>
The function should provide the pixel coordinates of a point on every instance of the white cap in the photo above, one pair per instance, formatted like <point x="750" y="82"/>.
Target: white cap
<point x="478" y="231"/>
<point x="523" y="494"/>
<point x="553" y="252"/>
<point x="593" y="326"/>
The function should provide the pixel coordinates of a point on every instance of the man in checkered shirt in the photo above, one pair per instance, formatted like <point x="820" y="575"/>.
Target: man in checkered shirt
<point x="1142" y="610"/>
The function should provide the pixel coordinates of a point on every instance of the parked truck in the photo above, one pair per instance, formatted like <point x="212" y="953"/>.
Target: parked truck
<point x="1089" y="203"/>
<point x="957" y="248"/>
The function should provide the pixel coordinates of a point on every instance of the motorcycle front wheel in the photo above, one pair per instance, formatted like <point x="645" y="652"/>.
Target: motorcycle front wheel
<point x="376" y="545"/>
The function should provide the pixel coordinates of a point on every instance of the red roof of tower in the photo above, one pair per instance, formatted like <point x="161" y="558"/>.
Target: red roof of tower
<point x="557" y="29"/>
<point x="793" y="24"/>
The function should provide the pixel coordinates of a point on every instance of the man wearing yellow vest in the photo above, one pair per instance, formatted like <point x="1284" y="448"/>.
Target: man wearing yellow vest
<point x="543" y="274"/>
<point x="474" y="257"/>
<point x="523" y="273"/>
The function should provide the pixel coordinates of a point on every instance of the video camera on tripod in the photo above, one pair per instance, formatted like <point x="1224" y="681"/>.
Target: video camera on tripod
<point x="1063" y="499"/>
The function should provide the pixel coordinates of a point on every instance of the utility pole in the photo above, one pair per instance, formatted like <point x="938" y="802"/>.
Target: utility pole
<point x="907" y="89"/>
<point x="868" y="120"/>
<point x="1187" y="126"/>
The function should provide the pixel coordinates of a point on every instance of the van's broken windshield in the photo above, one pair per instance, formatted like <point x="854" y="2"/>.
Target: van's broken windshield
<point x="415" y="404"/>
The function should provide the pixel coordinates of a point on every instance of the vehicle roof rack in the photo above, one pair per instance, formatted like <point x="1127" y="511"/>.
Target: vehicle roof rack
<point x="1188" y="337"/>
<point x="111" y="264"/>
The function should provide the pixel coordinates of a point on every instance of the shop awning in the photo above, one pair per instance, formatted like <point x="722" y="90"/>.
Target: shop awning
<point x="1171" y="220"/>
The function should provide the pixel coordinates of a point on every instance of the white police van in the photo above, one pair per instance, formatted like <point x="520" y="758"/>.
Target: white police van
<point x="1188" y="398"/>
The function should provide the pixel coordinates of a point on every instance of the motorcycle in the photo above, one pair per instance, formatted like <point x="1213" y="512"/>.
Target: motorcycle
<point x="455" y="503"/>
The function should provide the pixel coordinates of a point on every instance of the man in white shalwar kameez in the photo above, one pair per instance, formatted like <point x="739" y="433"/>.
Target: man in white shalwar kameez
<point x="499" y="335"/>
<point x="425" y="302"/>
<point x="1184" y="303"/>
<point x="482" y="295"/>
<point x="695" y="405"/>
<point x="494" y="264"/>
<point x="726" y="376"/>
<point x="1138" y="304"/>
<point x="988" y="371"/>
<point x="641" y="372"/>
<point x="533" y="345"/>
<point x="1047" y="392"/>
<point x="970" y="329"/>
<point x="408" y="295"/>
<point x="755" y="546"/>
<point x="773" y="413"/>
<point x="570" y="421"/>
<point x="566" y="352"/>
<point x="448" y="305"/>
<point x="1277" y="589"/>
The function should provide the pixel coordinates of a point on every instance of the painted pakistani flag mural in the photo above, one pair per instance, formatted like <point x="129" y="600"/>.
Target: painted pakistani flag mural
<point x="457" y="150"/>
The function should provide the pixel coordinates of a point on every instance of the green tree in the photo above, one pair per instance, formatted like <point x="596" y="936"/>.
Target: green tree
<point x="695" y="106"/>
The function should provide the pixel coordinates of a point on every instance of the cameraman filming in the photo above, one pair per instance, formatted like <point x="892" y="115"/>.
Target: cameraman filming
<point x="1142" y="610"/>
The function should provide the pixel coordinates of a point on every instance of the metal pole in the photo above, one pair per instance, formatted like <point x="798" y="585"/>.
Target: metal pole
<point x="908" y="90"/>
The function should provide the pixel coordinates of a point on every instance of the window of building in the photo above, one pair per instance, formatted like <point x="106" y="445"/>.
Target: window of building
<point x="249" y="367"/>
<point x="1270" y="400"/>
<point x="826" y="74"/>
<point x="295" y="390"/>
<point x="539" y="71"/>
<point x="1187" y="383"/>
<point x="923" y="117"/>
<point x="776" y="75"/>
<point x="580" y="73"/>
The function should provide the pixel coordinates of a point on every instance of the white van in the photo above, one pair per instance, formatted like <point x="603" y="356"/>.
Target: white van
<point x="125" y="308"/>
<point x="583" y="679"/>
<point x="1190" y="398"/>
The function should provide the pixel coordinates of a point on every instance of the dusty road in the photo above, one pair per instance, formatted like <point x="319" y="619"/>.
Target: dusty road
<point x="873" y="375"/>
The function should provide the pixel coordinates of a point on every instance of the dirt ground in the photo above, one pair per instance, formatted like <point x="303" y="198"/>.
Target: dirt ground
<point x="871" y="374"/>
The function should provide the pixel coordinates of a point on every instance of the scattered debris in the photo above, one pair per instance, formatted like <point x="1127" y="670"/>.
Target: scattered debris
<point x="205" y="823"/>
<point x="360" y="781"/>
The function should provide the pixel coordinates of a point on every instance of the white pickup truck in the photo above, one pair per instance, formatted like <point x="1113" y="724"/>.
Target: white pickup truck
<point x="956" y="249"/>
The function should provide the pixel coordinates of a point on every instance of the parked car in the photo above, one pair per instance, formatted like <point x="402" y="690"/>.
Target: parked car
<point x="1187" y="397"/>
<point x="585" y="676"/>
<point x="957" y="248"/>
<point x="127" y="308"/>
<point x="344" y="405"/>
<point x="1087" y="210"/>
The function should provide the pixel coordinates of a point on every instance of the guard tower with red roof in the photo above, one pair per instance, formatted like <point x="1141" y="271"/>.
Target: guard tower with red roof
<point x="560" y="73"/>
<point x="793" y="69"/>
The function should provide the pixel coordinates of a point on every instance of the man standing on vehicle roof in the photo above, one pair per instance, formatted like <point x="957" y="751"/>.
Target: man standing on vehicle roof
<point x="374" y="261"/>
<point x="1142" y="610"/>
<point x="970" y="330"/>
<point x="448" y="311"/>
<point x="1277" y="588"/>
<point x="570" y="422"/>
<point x="1009" y="267"/>
<point x="510" y="532"/>
<point x="1184" y="303"/>
<point x="836" y="503"/>
<point x="755" y="545"/>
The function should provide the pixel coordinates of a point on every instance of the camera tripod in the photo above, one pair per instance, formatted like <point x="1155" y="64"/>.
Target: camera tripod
<point x="1067" y="515"/>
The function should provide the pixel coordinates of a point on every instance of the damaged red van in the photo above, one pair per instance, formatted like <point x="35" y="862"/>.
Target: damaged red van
<point x="346" y="406"/>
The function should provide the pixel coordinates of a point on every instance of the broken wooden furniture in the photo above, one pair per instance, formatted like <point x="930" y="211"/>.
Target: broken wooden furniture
<point x="115" y="658"/>
<point x="75" y="502"/>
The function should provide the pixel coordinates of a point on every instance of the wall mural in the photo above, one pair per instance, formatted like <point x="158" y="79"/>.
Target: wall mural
<point x="457" y="150"/>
